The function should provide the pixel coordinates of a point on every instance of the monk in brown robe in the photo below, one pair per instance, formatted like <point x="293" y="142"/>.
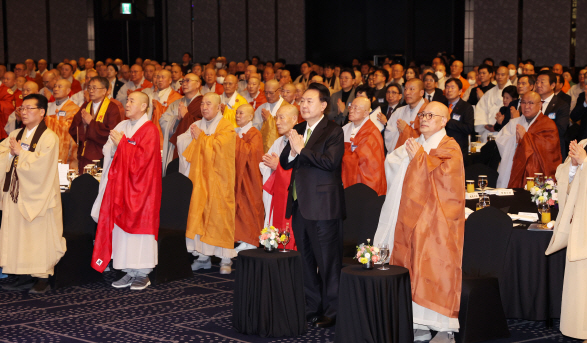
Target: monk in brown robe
<point x="91" y="125"/>
<point x="59" y="117"/>
<point x="249" y="181"/>
<point x="363" y="149"/>
<point x="164" y="96"/>
<point x="210" y="156"/>
<point x="179" y="116"/>
<point x="528" y="144"/>
<point x="423" y="221"/>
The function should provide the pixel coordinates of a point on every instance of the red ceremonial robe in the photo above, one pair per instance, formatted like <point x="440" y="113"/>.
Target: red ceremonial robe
<point x="6" y="108"/>
<point x="365" y="164"/>
<point x="76" y="87"/>
<point x="17" y="102"/>
<point x="277" y="185"/>
<point x="538" y="152"/>
<point x="258" y="101"/>
<point x="132" y="198"/>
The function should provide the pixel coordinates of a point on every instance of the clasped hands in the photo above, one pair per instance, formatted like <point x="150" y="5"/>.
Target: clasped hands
<point x="195" y="131"/>
<point x="412" y="147"/>
<point x="15" y="147"/>
<point x="271" y="160"/>
<point x="577" y="153"/>
<point x="520" y="132"/>
<point x="296" y="142"/>
<point x="115" y="136"/>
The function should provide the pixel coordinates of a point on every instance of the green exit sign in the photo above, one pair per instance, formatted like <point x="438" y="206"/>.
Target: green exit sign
<point x="126" y="8"/>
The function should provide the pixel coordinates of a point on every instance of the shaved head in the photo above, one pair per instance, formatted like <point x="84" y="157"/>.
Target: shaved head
<point x="30" y="87"/>
<point x="286" y="117"/>
<point x="437" y="122"/>
<point x="244" y="115"/>
<point x="137" y="104"/>
<point x="417" y="82"/>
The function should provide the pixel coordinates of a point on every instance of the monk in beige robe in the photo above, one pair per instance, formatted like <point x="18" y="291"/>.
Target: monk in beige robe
<point x="569" y="232"/>
<point x="249" y="181"/>
<point x="59" y="116"/>
<point x="208" y="149"/>
<point x="423" y="221"/>
<point x="31" y="241"/>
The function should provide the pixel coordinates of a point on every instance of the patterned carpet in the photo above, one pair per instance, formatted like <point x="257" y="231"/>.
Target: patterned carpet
<point x="198" y="309"/>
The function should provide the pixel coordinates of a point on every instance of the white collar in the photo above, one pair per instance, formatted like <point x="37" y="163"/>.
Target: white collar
<point x="29" y="133"/>
<point x="356" y="128"/>
<point x="432" y="141"/>
<point x="229" y="101"/>
<point x="163" y="95"/>
<point x="140" y="83"/>
<point x="547" y="100"/>
<point x="211" y="88"/>
<point x="242" y="130"/>
<point x="313" y="127"/>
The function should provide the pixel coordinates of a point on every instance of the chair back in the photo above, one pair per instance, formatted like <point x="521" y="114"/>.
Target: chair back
<point x="355" y="227"/>
<point x="172" y="167"/>
<point x="77" y="212"/>
<point x="472" y="173"/>
<point x="487" y="235"/>
<point x="175" y="201"/>
<point x="490" y="155"/>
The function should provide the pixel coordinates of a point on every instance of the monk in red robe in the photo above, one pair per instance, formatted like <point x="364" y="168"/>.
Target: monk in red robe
<point x="162" y="98"/>
<point x="363" y="149"/>
<point x="276" y="180"/>
<point x="128" y="204"/>
<point x="423" y="222"/>
<point x="91" y="125"/>
<point x="253" y="95"/>
<point x="528" y="144"/>
<point x="248" y="190"/>
<point x="6" y="108"/>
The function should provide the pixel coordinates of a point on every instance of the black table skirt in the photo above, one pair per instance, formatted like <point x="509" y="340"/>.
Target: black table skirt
<point x="374" y="305"/>
<point x="269" y="294"/>
<point x="532" y="283"/>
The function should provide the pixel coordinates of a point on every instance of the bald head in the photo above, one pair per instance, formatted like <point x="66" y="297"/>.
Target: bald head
<point x="137" y="104"/>
<point x="210" y="105"/>
<point x="61" y="89"/>
<point x="272" y="91"/>
<point x="531" y="104"/>
<point x="286" y="118"/>
<point x="244" y="115"/>
<point x="288" y="92"/>
<point x="9" y="79"/>
<point x="359" y="110"/>
<point x="163" y="79"/>
<point x="557" y="69"/>
<point x="439" y="116"/>
<point x="29" y="87"/>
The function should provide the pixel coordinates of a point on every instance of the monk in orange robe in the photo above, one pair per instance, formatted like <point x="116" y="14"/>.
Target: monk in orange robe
<point x="528" y="144"/>
<point x="423" y="221"/>
<point x="249" y="181"/>
<point x="210" y="156"/>
<point x="59" y="116"/>
<point x="162" y="98"/>
<point x="363" y="149"/>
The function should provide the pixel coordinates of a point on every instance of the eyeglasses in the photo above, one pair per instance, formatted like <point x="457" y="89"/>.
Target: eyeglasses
<point x="393" y="92"/>
<point x="427" y="115"/>
<point x="92" y="88"/>
<point x="26" y="109"/>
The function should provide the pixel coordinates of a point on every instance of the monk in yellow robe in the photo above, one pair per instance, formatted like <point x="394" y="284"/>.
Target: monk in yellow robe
<point x="31" y="241"/>
<point x="249" y="181"/>
<point x="363" y="149"/>
<point x="162" y="98"/>
<point x="59" y="116"/>
<point x="230" y="99"/>
<point x="208" y="149"/>
<point x="423" y="221"/>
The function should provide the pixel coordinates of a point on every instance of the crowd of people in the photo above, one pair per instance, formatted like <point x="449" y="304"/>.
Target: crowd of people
<point x="265" y="147"/>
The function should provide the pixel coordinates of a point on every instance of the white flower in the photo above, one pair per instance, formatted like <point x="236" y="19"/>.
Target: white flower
<point x="272" y="236"/>
<point x="272" y="242"/>
<point x="367" y="255"/>
<point x="533" y="190"/>
<point x="555" y="196"/>
<point x="550" y="182"/>
<point x="550" y="225"/>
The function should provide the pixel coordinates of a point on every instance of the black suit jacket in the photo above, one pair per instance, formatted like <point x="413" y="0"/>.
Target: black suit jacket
<point x="117" y="85"/>
<point x="564" y="97"/>
<point x="580" y="113"/>
<point x="438" y="96"/>
<point x="559" y="111"/>
<point x="317" y="173"/>
<point x="461" y="124"/>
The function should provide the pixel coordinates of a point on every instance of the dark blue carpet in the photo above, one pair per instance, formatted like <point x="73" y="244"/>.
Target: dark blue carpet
<point x="198" y="309"/>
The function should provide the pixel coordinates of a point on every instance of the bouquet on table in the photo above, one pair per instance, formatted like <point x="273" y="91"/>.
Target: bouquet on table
<point x="269" y="238"/>
<point x="366" y="253"/>
<point x="545" y="192"/>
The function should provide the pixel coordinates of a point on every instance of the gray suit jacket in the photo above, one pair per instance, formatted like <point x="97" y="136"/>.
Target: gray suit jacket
<point x="340" y="118"/>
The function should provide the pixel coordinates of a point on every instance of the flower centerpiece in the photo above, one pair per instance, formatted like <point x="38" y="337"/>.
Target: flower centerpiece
<point x="367" y="254"/>
<point x="269" y="238"/>
<point x="545" y="192"/>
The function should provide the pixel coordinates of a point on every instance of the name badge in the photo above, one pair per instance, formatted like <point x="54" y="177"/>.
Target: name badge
<point x="25" y="146"/>
<point x="381" y="100"/>
<point x="61" y="113"/>
<point x="456" y="116"/>
<point x="131" y="142"/>
<point x="552" y="116"/>
<point x="353" y="147"/>
<point x="349" y="105"/>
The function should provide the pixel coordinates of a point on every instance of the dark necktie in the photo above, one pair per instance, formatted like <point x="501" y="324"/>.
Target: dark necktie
<point x="429" y="97"/>
<point x="389" y="112"/>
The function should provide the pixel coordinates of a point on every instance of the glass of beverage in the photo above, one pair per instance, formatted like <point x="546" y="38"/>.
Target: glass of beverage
<point x="88" y="169"/>
<point x="482" y="182"/>
<point x="97" y="163"/>
<point x="544" y="211"/>
<point x="71" y="174"/>
<point x="383" y="255"/>
<point x="539" y="178"/>
<point x="529" y="183"/>
<point x="483" y="201"/>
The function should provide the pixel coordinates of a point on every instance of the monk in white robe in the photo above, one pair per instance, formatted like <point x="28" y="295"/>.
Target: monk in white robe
<point x="128" y="215"/>
<point x="569" y="232"/>
<point x="265" y="114"/>
<point x="423" y="221"/>
<point x="286" y="119"/>
<point x="31" y="241"/>
<point x="490" y="103"/>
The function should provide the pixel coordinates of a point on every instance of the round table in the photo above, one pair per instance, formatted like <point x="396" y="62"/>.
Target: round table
<point x="269" y="296"/>
<point x="374" y="305"/>
<point x="532" y="283"/>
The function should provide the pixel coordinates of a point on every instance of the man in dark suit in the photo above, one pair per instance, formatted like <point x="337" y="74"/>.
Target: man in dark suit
<point x="560" y="82"/>
<point x="462" y="115"/>
<point x="341" y="100"/>
<point x="432" y="92"/>
<point x="316" y="201"/>
<point x="580" y="113"/>
<point x="553" y="107"/>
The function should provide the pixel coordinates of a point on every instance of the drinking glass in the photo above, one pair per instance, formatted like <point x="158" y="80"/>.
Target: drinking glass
<point x="97" y="163"/>
<point x="470" y="186"/>
<point x="529" y="183"/>
<point x="383" y="255"/>
<point x="71" y="175"/>
<point x="483" y="201"/>
<point x="544" y="210"/>
<point x="284" y="233"/>
<point x="482" y="182"/>
<point x="539" y="177"/>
